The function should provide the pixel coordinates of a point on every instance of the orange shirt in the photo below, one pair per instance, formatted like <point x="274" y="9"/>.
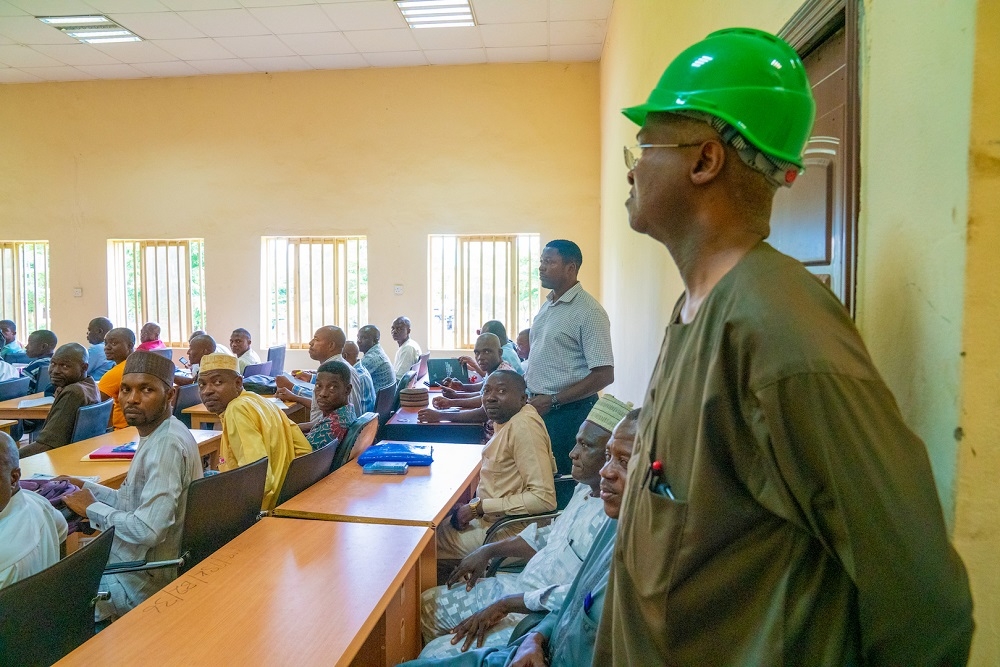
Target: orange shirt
<point x="109" y="386"/>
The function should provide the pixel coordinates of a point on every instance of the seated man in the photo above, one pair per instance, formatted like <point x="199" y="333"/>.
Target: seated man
<point x="149" y="338"/>
<point x="41" y="346"/>
<point x="219" y="347"/>
<point x="118" y="345"/>
<point x="409" y="351"/>
<point x="333" y="389"/>
<point x="252" y="426"/>
<point x="11" y="348"/>
<point x="518" y="470"/>
<point x="97" y="360"/>
<point x="351" y="353"/>
<point x="199" y="346"/>
<point x="555" y="553"/>
<point x="565" y="637"/>
<point x="31" y="530"/>
<point x="74" y="389"/>
<point x="507" y="347"/>
<point x="327" y="344"/>
<point x="375" y="359"/>
<point x="147" y="512"/>
<point x="240" y="344"/>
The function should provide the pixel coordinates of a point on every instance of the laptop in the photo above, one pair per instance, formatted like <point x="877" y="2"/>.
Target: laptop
<point x="439" y="369"/>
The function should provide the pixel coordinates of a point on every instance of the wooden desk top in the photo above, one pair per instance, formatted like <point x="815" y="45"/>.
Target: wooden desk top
<point x="9" y="409"/>
<point x="66" y="460"/>
<point x="421" y="497"/>
<point x="5" y="423"/>
<point x="284" y="592"/>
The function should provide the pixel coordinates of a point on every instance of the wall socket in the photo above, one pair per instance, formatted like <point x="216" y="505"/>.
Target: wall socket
<point x="77" y="291"/>
<point x="397" y="290"/>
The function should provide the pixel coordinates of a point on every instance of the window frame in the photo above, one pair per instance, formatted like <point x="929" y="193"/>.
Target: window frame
<point x="13" y="282"/>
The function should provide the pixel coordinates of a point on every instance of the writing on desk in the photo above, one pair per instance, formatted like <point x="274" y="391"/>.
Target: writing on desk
<point x="178" y="590"/>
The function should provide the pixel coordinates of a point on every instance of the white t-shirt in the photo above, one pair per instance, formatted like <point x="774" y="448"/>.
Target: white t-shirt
<point x="31" y="531"/>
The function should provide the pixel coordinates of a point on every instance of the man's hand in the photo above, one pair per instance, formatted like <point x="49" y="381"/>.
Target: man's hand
<point x="471" y="364"/>
<point x="428" y="416"/>
<point x="285" y="393"/>
<point x="542" y="404"/>
<point x="475" y="627"/>
<point x="282" y="382"/>
<point x="79" y="501"/>
<point x="75" y="481"/>
<point x="464" y="516"/>
<point x="531" y="652"/>
<point x="440" y="402"/>
<point x="453" y="383"/>
<point x="472" y="568"/>
<point x="305" y="376"/>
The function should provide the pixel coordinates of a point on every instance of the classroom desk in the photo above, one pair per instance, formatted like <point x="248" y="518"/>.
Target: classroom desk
<point x="404" y="426"/>
<point x="201" y="417"/>
<point x="66" y="460"/>
<point x="285" y="592"/>
<point x="9" y="409"/>
<point x="6" y="424"/>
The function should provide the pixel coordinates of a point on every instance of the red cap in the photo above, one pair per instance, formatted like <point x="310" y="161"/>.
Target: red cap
<point x="657" y="466"/>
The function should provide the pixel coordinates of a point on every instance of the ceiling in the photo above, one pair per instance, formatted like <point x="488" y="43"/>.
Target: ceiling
<point x="198" y="37"/>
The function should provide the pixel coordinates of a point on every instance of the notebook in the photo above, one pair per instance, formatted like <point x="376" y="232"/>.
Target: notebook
<point x="439" y="369"/>
<point x="113" y="452"/>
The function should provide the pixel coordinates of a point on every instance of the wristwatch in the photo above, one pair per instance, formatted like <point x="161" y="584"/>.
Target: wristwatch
<point x="476" y="505"/>
<point x="554" y="405"/>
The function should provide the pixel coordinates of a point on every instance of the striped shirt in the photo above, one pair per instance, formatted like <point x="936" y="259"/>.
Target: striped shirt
<point x="378" y="364"/>
<point x="569" y="338"/>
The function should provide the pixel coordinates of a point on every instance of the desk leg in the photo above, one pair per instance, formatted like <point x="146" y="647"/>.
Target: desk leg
<point x="402" y="621"/>
<point x="427" y="564"/>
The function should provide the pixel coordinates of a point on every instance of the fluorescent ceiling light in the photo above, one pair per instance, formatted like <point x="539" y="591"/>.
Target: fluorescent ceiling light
<point x="91" y="29"/>
<point x="436" y="13"/>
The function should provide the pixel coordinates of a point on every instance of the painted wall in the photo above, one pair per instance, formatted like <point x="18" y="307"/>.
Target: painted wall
<point x="977" y="511"/>
<point x="393" y="154"/>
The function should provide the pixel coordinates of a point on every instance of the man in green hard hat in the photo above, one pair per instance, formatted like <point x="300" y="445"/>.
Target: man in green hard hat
<point x="781" y="512"/>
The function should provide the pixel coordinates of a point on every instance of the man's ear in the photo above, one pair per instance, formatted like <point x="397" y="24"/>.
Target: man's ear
<point x="711" y="160"/>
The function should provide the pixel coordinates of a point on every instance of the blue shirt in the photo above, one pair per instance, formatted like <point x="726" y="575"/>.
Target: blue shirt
<point x="97" y="362"/>
<point x="11" y="348"/>
<point x="32" y="370"/>
<point x="377" y="363"/>
<point x="509" y="355"/>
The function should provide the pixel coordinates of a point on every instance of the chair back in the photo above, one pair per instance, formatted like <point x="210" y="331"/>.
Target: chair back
<point x="165" y="352"/>
<point x="565" y="488"/>
<point x="403" y="383"/>
<point x="383" y="403"/>
<point x="263" y="368"/>
<point x="15" y="388"/>
<point x="276" y="355"/>
<point x="92" y="420"/>
<point x="304" y="471"/>
<point x="187" y="396"/>
<point x="358" y="438"/>
<point x="219" y="508"/>
<point x="47" y="615"/>
<point x="43" y="379"/>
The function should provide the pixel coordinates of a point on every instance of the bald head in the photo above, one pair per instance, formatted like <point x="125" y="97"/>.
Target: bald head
<point x="200" y="346"/>
<point x="368" y="337"/>
<point x="118" y="344"/>
<point x="496" y="327"/>
<point x="351" y="352"/>
<point x="150" y="331"/>
<point x="68" y="365"/>
<point x="400" y="329"/>
<point x="327" y="342"/>
<point x="488" y="354"/>
<point x="10" y="471"/>
<point x="98" y="329"/>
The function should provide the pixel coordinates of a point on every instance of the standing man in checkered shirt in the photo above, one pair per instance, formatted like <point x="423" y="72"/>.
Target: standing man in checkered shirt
<point x="571" y="349"/>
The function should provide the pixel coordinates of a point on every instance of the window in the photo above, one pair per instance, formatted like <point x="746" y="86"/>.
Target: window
<point x="24" y="285"/>
<point x="160" y="281"/>
<point x="473" y="279"/>
<point x="313" y="282"/>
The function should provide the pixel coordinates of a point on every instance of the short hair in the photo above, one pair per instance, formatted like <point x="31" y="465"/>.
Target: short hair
<point x="75" y="348"/>
<point x="9" y="324"/>
<point x="487" y="336"/>
<point x="45" y="337"/>
<point x="203" y="339"/>
<point x="125" y="333"/>
<point x="511" y="376"/>
<point x="338" y="368"/>
<point x="496" y="328"/>
<point x="196" y="332"/>
<point x="632" y="416"/>
<point x="370" y="329"/>
<point x="102" y="324"/>
<point x="569" y="251"/>
<point x="242" y="332"/>
<point x="10" y="458"/>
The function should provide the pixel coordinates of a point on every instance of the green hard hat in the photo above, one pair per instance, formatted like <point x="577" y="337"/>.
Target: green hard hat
<point x="750" y="79"/>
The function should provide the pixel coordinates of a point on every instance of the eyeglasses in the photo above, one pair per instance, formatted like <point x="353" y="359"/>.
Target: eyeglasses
<point x="634" y="153"/>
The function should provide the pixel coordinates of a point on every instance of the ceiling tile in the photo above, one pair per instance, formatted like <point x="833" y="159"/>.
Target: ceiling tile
<point x="579" y="10"/>
<point x="128" y="6"/>
<point x="136" y="52"/>
<point x="318" y="44"/>
<point x="230" y="66"/>
<point x="11" y="75"/>
<point x="577" y="32"/>
<point x="64" y="73"/>
<point x="76" y="54"/>
<point x="456" y="56"/>
<point x="194" y="49"/>
<point x="17" y="55"/>
<point x="571" y="52"/>
<point x="113" y="71"/>
<point x="274" y="3"/>
<point x="518" y="54"/>
<point x="261" y="46"/>
<point x="280" y="64"/>
<point x="158" y="25"/>
<point x="176" y="68"/>
<point x="510" y="11"/>
<point x="292" y="20"/>
<point x="29" y="30"/>
<point x="365" y="15"/>
<point x="448" y="38"/>
<point x="377" y="41"/>
<point x="6" y="40"/>
<point x="7" y="9"/>
<point x="190" y="5"/>
<point x="226" y="23"/>
<point x="53" y="7"/>
<point x="396" y="59"/>
<point x="345" y="61"/>
<point x="515" y="34"/>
